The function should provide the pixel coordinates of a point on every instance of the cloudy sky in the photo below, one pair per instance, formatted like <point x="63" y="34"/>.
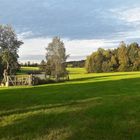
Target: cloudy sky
<point x="83" y="25"/>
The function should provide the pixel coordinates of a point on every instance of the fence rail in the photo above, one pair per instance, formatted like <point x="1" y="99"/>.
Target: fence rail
<point x="20" y="80"/>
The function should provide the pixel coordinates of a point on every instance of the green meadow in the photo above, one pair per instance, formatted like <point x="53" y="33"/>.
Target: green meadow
<point x="25" y="70"/>
<point x="102" y="106"/>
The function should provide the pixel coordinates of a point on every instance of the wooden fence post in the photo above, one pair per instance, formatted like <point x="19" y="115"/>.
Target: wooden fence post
<point x="7" y="81"/>
<point x="30" y="80"/>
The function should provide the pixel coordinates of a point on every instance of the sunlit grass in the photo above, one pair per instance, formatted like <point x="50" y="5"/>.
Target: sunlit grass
<point x="29" y="68"/>
<point x="101" y="106"/>
<point x="25" y="70"/>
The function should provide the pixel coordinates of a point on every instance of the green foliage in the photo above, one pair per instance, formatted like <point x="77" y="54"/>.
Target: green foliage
<point x="9" y="46"/>
<point x="89" y="64"/>
<point x="42" y="65"/>
<point x="124" y="58"/>
<point x="76" y="64"/>
<point x="56" y="59"/>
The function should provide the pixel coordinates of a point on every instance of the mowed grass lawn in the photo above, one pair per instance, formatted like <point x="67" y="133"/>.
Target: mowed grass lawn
<point x="89" y="107"/>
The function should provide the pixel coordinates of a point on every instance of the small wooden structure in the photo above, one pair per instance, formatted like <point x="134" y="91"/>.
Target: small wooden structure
<point x="19" y="80"/>
<point x="30" y="80"/>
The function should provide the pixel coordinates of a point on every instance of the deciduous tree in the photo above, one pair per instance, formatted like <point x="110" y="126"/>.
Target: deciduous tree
<point x="56" y="58"/>
<point x="9" y="45"/>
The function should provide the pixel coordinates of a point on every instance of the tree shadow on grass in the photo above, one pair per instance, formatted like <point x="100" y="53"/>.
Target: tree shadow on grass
<point x="45" y="123"/>
<point x="20" y="100"/>
<point x="47" y="107"/>
<point x="91" y="120"/>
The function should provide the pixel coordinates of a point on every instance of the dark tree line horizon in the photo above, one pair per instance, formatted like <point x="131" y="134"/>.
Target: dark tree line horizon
<point x="122" y="59"/>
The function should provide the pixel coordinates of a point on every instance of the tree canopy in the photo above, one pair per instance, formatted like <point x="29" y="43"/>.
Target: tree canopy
<point x="9" y="45"/>
<point x="56" y="59"/>
<point x="124" y="58"/>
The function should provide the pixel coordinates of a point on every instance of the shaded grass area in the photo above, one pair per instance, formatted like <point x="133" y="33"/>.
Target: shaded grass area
<point x="89" y="107"/>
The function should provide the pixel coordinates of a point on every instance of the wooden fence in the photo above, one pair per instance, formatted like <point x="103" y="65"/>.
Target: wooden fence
<point x="20" y="80"/>
<point x="29" y="80"/>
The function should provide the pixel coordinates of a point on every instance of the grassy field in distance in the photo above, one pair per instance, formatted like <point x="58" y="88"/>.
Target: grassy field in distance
<point x="25" y="70"/>
<point x="104" y="106"/>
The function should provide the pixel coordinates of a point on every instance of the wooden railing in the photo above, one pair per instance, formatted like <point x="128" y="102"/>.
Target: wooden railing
<point x="20" y="80"/>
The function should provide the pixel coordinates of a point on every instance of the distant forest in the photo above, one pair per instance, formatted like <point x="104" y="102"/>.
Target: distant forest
<point x="71" y="64"/>
<point x="121" y="59"/>
<point x="124" y="58"/>
<point x="74" y="64"/>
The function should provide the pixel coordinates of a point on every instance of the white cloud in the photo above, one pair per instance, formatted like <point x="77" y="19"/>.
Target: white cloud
<point x="126" y="35"/>
<point x="130" y="15"/>
<point x="25" y="35"/>
<point x="86" y="47"/>
<point x="78" y="49"/>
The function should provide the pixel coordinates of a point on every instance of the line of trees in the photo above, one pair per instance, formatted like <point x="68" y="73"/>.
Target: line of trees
<point x="29" y="64"/>
<point x="74" y="64"/>
<point x="54" y="66"/>
<point x="124" y="58"/>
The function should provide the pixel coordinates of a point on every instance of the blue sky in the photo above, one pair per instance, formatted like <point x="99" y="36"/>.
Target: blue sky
<point x="83" y="25"/>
